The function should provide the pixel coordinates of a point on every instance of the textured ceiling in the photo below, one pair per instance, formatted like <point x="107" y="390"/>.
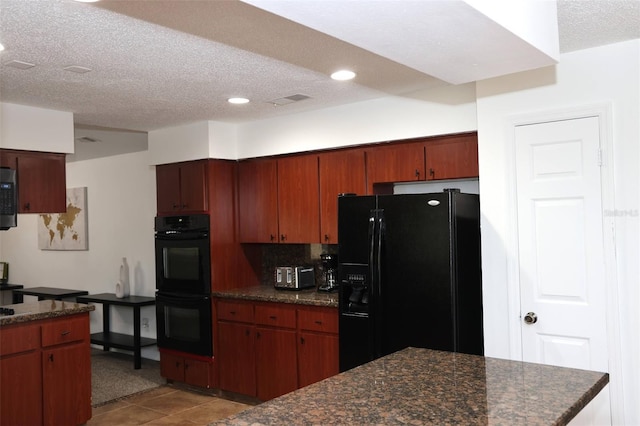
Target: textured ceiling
<point x="159" y="63"/>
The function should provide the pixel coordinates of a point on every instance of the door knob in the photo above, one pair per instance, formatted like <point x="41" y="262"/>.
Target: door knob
<point x="531" y="318"/>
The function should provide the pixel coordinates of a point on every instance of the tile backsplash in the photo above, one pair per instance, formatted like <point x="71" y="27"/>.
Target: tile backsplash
<point x="274" y="255"/>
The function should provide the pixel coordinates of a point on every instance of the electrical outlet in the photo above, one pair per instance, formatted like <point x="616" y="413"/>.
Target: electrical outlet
<point x="145" y="322"/>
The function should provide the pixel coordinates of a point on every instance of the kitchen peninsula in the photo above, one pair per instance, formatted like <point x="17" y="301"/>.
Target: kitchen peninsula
<point x="45" y="363"/>
<point x="422" y="386"/>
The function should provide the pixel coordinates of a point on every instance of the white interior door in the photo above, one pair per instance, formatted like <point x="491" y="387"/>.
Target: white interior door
<point x="561" y="250"/>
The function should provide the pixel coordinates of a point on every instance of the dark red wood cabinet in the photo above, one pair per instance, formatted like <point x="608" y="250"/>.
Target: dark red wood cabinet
<point x="396" y="162"/>
<point x="181" y="188"/>
<point x="452" y="157"/>
<point x="278" y="200"/>
<point x="341" y="171"/>
<point x="258" y="201"/>
<point x="41" y="178"/>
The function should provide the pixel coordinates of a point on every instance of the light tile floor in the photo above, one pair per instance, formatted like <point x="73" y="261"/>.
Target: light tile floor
<point x="165" y="406"/>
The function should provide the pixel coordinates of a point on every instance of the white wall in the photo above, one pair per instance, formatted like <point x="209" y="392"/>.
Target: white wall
<point x="195" y="141"/>
<point x="444" y="110"/>
<point x="121" y="197"/>
<point x="608" y="75"/>
<point x="53" y="132"/>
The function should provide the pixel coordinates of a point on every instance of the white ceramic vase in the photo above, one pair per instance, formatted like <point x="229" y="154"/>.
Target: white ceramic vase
<point x="124" y="277"/>
<point x="119" y="293"/>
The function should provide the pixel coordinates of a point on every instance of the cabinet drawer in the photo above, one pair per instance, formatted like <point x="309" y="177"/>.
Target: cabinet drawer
<point x="318" y="320"/>
<point x="70" y="329"/>
<point x="235" y="311"/>
<point x="18" y="339"/>
<point x="277" y="316"/>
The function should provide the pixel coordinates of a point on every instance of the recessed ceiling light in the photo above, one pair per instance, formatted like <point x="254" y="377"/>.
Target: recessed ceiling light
<point x="87" y="1"/>
<point x="343" y="75"/>
<point x="238" y="100"/>
<point x="1" y="47"/>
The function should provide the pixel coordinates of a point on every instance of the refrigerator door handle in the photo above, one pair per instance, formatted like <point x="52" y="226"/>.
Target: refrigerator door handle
<point x="372" y="239"/>
<point x="376" y="289"/>
<point x="374" y="351"/>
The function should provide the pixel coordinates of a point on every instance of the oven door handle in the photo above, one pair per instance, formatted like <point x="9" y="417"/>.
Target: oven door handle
<point x="179" y="236"/>
<point x="174" y="297"/>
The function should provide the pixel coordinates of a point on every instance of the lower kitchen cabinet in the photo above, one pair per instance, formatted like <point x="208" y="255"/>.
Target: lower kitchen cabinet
<point x="17" y="390"/>
<point x="276" y="364"/>
<point x="318" y="354"/>
<point x="269" y="349"/>
<point x="186" y="369"/>
<point x="65" y="373"/>
<point x="237" y="359"/>
<point x="46" y="372"/>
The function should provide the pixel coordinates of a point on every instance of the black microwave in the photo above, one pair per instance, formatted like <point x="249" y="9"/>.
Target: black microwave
<point x="182" y="251"/>
<point x="8" y="199"/>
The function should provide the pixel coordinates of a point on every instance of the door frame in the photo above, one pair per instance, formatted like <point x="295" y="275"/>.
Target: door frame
<point x="603" y="111"/>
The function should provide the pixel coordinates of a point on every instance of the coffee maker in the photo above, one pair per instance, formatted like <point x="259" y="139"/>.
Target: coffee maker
<point x="329" y="272"/>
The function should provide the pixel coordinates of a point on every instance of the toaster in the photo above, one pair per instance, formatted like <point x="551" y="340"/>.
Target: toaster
<point x="294" y="277"/>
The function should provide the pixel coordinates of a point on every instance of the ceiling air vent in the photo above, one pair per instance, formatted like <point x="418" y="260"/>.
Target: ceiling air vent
<point x="289" y="100"/>
<point x="87" y="139"/>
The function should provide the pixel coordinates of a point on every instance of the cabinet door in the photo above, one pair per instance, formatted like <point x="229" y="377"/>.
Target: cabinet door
<point x="237" y="359"/>
<point x="340" y="172"/>
<point x="41" y="183"/>
<point x="168" y="188"/>
<point x="66" y="384"/>
<point x="277" y="367"/>
<point x="8" y="159"/>
<point x="452" y="157"/>
<point x="299" y="199"/>
<point x="318" y="357"/>
<point x="394" y="163"/>
<point x="172" y="367"/>
<point x="193" y="187"/>
<point x="197" y="373"/>
<point x="20" y="387"/>
<point x="258" y="201"/>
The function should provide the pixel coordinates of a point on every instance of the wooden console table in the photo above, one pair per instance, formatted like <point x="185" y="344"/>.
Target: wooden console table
<point x="118" y="340"/>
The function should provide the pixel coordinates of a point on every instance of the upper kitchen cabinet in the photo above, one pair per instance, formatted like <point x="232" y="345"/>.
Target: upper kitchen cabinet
<point x="181" y="188"/>
<point x="397" y="162"/>
<point x="41" y="179"/>
<point x="298" y="199"/>
<point x="429" y="158"/>
<point x="452" y="157"/>
<point x="340" y="172"/>
<point x="278" y="200"/>
<point x="258" y="200"/>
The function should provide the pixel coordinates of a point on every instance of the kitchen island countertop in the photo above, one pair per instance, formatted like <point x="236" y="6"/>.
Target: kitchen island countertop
<point x="422" y="386"/>
<point x="44" y="309"/>
<point x="265" y="293"/>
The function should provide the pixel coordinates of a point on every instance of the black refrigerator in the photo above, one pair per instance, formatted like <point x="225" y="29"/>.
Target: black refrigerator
<point x="409" y="273"/>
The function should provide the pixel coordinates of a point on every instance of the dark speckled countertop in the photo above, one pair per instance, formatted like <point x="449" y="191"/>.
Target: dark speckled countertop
<point x="45" y="309"/>
<point x="422" y="386"/>
<point x="266" y="293"/>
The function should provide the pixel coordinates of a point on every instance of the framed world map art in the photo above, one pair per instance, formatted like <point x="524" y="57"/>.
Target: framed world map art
<point x="66" y="231"/>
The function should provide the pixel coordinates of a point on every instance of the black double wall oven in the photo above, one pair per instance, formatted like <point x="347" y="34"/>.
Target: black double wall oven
<point x="183" y="284"/>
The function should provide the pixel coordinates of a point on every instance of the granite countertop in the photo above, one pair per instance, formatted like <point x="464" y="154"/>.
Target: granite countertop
<point x="44" y="309"/>
<point x="267" y="293"/>
<point x="422" y="386"/>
